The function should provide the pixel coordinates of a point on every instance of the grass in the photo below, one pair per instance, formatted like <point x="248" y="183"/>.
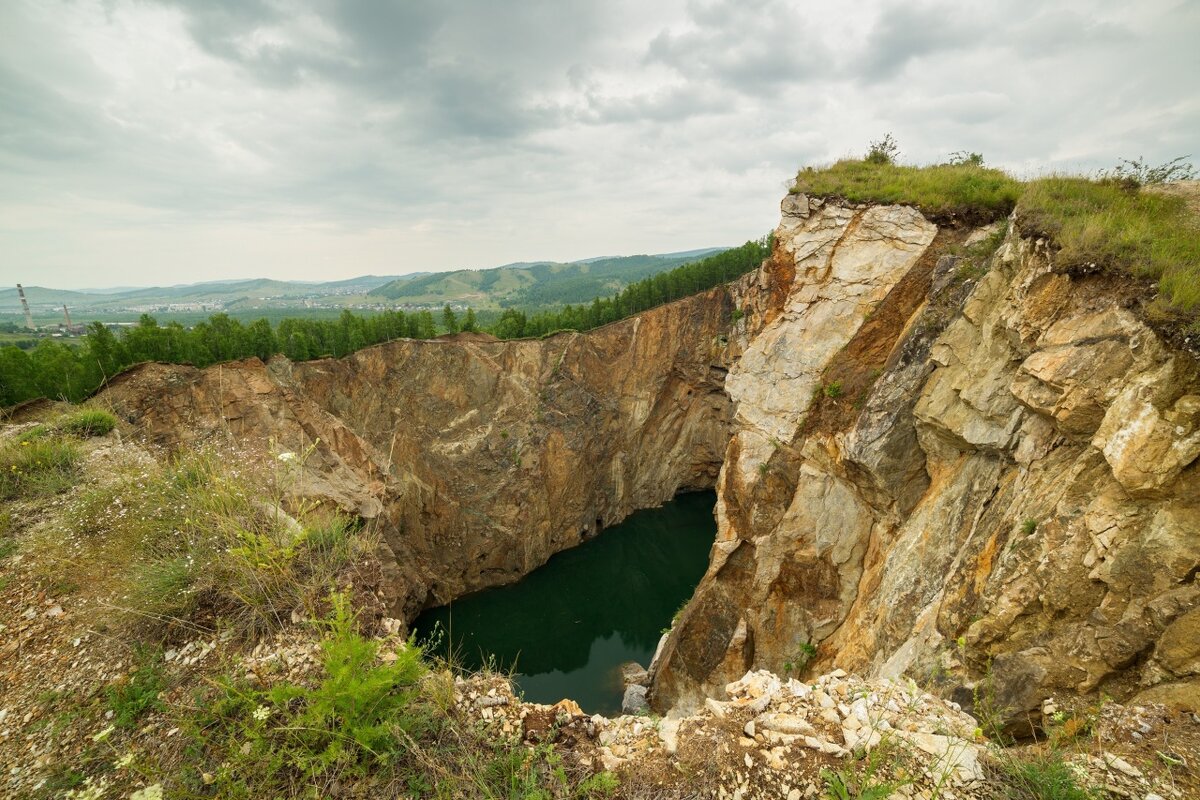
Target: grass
<point x="138" y="694"/>
<point x="204" y="540"/>
<point x="969" y="191"/>
<point x="87" y="422"/>
<point x="1110" y="225"/>
<point x="37" y="467"/>
<point x="1042" y="776"/>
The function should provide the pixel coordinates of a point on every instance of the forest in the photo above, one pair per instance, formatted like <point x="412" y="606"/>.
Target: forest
<point x="63" y="371"/>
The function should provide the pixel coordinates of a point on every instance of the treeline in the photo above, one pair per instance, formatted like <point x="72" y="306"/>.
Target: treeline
<point x="54" y="369"/>
<point x="57" y="370"/>
<point x="647" y="293"/>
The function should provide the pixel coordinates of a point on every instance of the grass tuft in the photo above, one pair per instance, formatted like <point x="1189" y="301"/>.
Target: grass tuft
<point x="37" y="467"/>
<point x="87" y="422"/>
<point x="1042" y="776"/>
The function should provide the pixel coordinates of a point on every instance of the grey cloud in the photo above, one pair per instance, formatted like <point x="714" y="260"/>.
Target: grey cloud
<point x="751" y="46"/>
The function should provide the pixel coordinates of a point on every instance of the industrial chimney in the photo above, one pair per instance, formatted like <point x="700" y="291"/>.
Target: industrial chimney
<point x="25" y="305"/>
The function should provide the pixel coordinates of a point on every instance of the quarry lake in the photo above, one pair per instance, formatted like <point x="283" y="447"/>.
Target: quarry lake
<point x="566" y="628"/>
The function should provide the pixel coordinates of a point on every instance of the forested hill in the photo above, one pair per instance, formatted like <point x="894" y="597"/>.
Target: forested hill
<point x="536" y="284"/>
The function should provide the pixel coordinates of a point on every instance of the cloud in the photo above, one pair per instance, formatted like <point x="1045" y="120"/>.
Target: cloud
<point x="318" y="138"/>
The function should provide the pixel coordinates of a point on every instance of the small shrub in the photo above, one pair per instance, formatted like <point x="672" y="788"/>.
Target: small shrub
<point x="736" y="315"/>
<point x="963" y="157"/>
<point x="833" y="390"/>
<point x="88" y="422"/>
<point x="883" y="151"/>
<point x="804" y="653"/>
<point x="1136" y="172"/>
<point x="37" y="467"/>
<point x="1029" y="526"/>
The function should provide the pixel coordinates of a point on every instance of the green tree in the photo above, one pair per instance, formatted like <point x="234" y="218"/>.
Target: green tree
<point x="449" y="321"/>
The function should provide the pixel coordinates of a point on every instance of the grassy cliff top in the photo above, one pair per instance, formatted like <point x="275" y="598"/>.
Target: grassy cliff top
<point x="1106" y="223"/>
<point x="969" y="191"/>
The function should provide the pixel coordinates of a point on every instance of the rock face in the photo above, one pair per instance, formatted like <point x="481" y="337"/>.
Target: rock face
<point x="937" y="453"/>
<point x="1012" y="498"/>
<point x="476" y="459"/>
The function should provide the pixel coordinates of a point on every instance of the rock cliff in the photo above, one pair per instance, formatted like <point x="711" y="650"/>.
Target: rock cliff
<point x="475" y="459"/>
<point x="952" y="459"/>
<point x="937" y="453"/>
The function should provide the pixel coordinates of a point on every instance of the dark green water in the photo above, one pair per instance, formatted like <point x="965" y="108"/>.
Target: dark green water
<point x="566" y="628"/>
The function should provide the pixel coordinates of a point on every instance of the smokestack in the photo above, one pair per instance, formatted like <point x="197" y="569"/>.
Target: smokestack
<point x="67" y="314"/>
<point x="25" y="305"/>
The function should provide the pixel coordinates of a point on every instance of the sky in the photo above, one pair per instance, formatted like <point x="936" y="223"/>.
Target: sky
<point x="153" y="142"/>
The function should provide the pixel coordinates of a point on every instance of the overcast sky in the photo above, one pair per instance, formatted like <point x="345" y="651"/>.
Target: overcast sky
<point x="152" y="142"/>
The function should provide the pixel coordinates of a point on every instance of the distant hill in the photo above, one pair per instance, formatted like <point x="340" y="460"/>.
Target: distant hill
<point x="534" y="284"/>
<point x="228" y="293"/>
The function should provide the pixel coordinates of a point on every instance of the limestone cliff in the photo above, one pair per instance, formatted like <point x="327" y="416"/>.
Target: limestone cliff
<point x="947" y="475"/>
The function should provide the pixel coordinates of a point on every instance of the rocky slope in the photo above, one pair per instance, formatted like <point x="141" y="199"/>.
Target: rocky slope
<point x="997" y="486"/>
<point x="940" y="455"/>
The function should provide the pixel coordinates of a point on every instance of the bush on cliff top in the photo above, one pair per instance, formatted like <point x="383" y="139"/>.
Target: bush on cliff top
<point x="966" y="190"/>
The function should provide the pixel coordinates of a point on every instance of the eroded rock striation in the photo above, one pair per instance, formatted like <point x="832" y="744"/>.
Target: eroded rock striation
<point x="937" y="453"/>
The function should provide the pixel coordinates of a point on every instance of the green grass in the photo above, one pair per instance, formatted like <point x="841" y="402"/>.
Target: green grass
<point x="965" y="190"/>
<point x="87" y="422"/>
<point x="137" y="695"/>
<point x="37" y="468"/>
<point x="1043" y="776"/>
<point x="202" y="540"/>
<point x="377" y="717"/>
<point x="1113" y="226"/>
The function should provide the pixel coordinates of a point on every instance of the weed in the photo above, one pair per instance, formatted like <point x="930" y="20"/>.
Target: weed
<point x="138" y="694"/>
<point x="1042" y="776"/>
<point x="833" y="390"/>
<point x="1028" y="527"/>
<point x="1139" y="172"/>
<point x="205" y="538"/>
<point x="357" y="715"/>
<point x="847" y="783"/>
<point x="736" y="315"/>
<point x="800" y="658"/>
<point x="34" y="433"/>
